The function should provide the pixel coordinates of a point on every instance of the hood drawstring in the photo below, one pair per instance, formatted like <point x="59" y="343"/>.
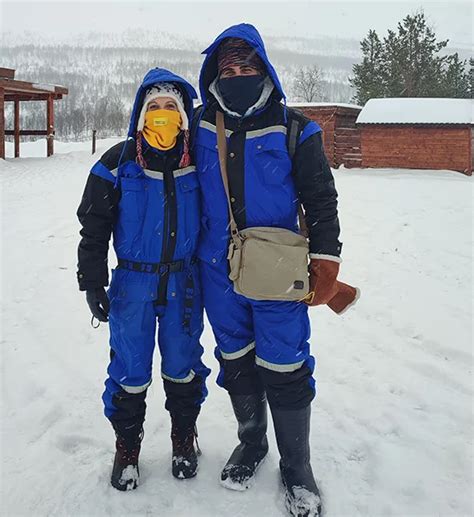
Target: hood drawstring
<point x="140" y="160"/>
<point x="185" y="158"/>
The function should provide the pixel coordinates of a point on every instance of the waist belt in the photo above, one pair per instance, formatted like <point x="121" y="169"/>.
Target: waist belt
<point x="163" y="269"/>
<point x="155" y="267"/>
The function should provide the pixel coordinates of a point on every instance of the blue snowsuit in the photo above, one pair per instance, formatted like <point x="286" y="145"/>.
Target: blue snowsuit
<point x="154" y="216"/>
<point x="261" y="345"/>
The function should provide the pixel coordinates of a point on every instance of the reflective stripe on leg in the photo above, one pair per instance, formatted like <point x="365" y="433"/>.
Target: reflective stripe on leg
<point x="238" y="373"/>
<point x="240" y="353"/>
<point x="135" y="389"/>
<point x="187" y="379"/>
<point x="282" y="368"/>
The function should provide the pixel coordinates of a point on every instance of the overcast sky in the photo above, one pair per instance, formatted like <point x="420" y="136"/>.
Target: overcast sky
<point x="204" y="20"/>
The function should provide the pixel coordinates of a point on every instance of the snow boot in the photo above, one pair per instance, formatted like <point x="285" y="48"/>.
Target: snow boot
<point x="125" y="473"/>
<point x="184" y="464"/>
<point x="251" y="414"/>
<point x="302" y="496"/>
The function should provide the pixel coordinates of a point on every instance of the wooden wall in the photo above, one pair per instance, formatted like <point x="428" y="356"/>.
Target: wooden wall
<point x="2" y="123"/>
<point x="417" y="147"/>
<point x="347" y="148"/>
<point x="341" y="138"/>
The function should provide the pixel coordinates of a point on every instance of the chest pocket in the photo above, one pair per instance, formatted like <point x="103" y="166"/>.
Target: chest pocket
<point x="133" y="199"/>
<point x="189" y="182"/>
<point x="207" y="155"/>
<point x="209" y="174"/>
<point x="272" y="160"/>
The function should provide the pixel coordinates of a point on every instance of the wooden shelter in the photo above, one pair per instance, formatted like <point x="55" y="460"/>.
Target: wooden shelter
<point x="417" y="133"/>
<point x="341" y="137"/>
<point x="12" y="90"/>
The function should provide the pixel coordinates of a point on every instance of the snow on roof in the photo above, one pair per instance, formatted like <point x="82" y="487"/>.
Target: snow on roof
<point x="419" y="110"/>
<point x="318" y="104"/>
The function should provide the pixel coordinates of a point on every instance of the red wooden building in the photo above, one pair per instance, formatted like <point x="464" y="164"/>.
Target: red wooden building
<point x="12" y="90"/>
<point x="417" y="133"/>
<point x="340" y="135"/>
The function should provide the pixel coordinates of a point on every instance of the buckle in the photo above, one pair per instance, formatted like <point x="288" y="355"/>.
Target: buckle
<point x="135" y="266"/>
<point x="164" y="268"/>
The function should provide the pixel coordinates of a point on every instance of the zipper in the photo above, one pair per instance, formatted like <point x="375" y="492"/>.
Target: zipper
<point x="170" y="229"/>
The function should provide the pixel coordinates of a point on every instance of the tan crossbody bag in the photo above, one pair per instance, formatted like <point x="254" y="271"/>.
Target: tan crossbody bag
<point x="265" y="263"/>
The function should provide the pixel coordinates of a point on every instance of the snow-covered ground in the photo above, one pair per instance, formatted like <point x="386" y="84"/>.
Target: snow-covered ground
<point x="392" y="424"/>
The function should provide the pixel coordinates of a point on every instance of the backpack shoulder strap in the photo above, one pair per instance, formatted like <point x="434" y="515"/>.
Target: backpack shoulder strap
<point x="293" y="133"/>
<point x="195" y="122"/>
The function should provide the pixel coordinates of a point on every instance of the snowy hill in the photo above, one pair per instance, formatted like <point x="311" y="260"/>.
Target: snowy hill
<point x="392" y="423"/>
<point x="108" y="66"/>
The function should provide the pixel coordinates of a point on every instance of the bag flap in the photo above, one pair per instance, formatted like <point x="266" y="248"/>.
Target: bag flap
<point x="188" y="182"/>
<point x="276" y="236"/>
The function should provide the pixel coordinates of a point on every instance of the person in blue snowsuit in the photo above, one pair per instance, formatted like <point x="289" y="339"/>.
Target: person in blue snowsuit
<point x="145" y="192"/>
<point x="262" y="346"/>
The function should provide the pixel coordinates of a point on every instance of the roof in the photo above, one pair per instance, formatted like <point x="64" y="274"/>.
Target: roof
<point x="25" y="91"/>
<point x="323" y="105"/>
<point x="421" y="110"/>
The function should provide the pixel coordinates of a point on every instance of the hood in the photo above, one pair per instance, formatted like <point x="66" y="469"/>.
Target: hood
<point x="243" y="31"/>
<point x="161" y="75"/>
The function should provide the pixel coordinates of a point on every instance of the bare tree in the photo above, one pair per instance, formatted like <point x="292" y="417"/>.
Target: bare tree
<point x="308" y="84"/>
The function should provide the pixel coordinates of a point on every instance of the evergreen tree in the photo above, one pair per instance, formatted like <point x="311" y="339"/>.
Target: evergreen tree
<point x="471" y="77"/>
<point x="456" y="80"/>
<point x="367" y="74"/>
<point x="407" y="63"/>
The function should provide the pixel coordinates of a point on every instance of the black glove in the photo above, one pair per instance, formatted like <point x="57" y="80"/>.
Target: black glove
<point x="98" y="303"/>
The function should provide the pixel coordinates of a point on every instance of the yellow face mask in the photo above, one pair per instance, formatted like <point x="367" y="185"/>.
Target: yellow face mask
<point x="162" y="128"/>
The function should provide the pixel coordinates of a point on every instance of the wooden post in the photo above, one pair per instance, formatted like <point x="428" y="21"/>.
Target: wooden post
<point x="16" y="127"/>
<point x="2" y="123"/>
<point x="50" y="126"/>
<point x="471" y="153"/>
<point x="94" y="138"/>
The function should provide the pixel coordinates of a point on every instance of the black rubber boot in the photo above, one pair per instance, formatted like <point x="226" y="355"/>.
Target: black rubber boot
<point x="125" y="472"/>
<point x="251" y="414"/>
<point x="292" y="433"/>
<point x="184" y="464"/>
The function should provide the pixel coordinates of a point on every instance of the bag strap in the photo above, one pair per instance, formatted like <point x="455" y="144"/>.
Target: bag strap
<point x="222" y="150"/>
<point x="293" y="134"/>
